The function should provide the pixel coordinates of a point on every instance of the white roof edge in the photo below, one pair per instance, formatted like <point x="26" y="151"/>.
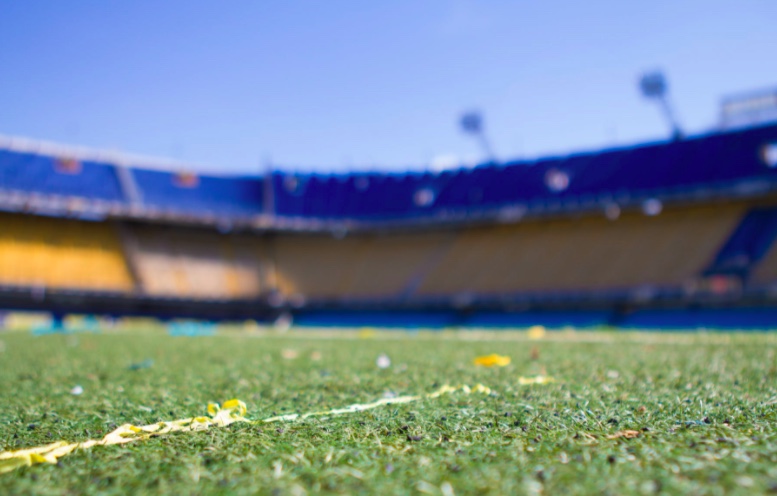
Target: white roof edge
<point x="114" y="157"/>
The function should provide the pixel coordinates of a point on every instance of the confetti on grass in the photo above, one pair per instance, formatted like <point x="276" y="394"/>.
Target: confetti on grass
<point x="383" y="361"/>
<point x="219" y="416"/>
<point x="537" y="379"/>
<point x="492" y="360"/>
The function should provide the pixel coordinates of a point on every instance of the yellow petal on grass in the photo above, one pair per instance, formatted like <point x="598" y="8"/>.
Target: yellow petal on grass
<point x="443" y="390"/>
<point x="492" y="360"/>
<point x="479" y="388"/>
<point x="236" y="407"/>
<point x="11" y="464"/>
<point x="11" y="460"/>
<point x="230" y="412"/>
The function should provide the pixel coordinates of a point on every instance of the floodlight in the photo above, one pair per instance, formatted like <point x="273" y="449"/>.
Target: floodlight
<point x="654" y="86"/>
<point x="472" y="123"/>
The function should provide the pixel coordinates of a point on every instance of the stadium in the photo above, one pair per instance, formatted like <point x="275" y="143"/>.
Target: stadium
<point x="584" y="304"/>
<point x="678" y="234"/>
<point x="672" y="234"/>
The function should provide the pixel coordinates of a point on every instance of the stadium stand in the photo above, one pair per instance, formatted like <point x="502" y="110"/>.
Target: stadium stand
<point x="56" y="253"/>
<point x="584" y="239"/>
<point x="194" y="263"/>
<point x="61" y="176"/>
<point x="191" y="194"/>
<point x="355" y="267"/>
<point x="747" y="244"/>
<point x="669" y="250"/>
<point x="762" y="270"/>
<point x="725" y="162"/>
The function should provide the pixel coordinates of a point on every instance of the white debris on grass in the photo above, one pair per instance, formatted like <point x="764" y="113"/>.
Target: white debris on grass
<point x="383" y="361"/>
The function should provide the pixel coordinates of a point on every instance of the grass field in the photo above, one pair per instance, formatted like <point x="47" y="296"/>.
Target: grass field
<point x="705" y="408"/>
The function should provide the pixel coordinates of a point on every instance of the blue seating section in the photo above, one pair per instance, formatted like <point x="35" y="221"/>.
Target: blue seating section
<point x="710" y="161"/>
<point x="376" y="196"/>
<point x="718" y="160"/>
<point x="747" y="244"/>
<point x="33" y="173"/>
<point x="207" y="195"/>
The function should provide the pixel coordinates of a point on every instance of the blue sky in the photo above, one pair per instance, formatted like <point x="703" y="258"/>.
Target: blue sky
<point x="343" y="85"/>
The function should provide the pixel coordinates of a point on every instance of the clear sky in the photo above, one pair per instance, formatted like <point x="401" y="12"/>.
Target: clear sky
<point x="342" y="85"/>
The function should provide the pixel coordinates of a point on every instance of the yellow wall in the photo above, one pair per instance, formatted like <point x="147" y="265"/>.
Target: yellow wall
<point x="357" y="266"/>
<point x="670" y="250"/>
<point x="566" y="254"/>
<point x="59" y="253"/>
<point x="591" y="253"/>
<point x="195" y="263"/>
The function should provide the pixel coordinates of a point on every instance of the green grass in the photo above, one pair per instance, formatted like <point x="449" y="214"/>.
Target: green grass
<point x="705" y="406"/>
